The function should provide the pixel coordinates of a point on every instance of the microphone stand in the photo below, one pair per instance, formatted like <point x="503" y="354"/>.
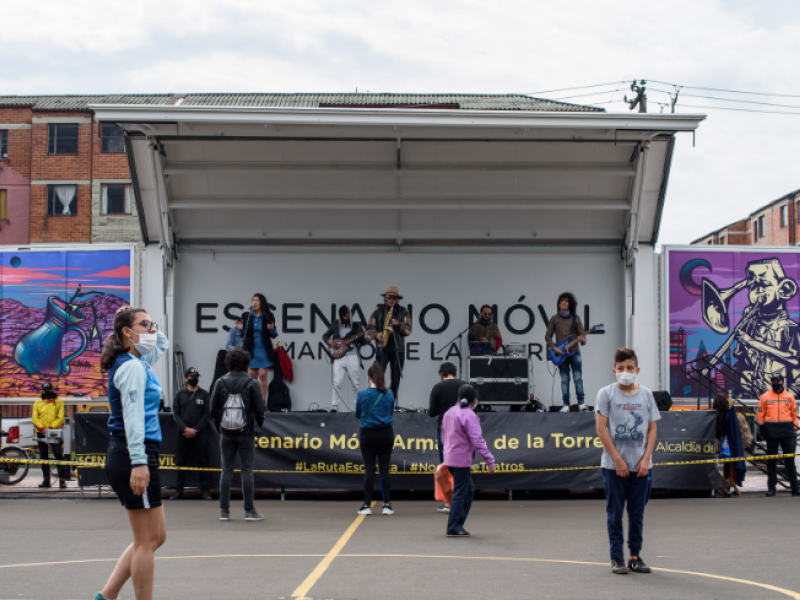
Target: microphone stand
<point x="459" y="338"/>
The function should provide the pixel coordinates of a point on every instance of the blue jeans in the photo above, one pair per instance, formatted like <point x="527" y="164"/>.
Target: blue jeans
<point x="463" y="493"/>
<point x="441" y="446"/>
<point x="576" y="363"/>
<point x="636" y="492"/>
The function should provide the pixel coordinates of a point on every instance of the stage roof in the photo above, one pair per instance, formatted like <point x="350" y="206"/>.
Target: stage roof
<point x="232" y="175"/>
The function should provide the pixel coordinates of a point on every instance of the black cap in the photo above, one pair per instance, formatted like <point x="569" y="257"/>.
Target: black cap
<point x="776" y="377"/>
<point x="48" y="387"/>
<point x="192" y="371"/>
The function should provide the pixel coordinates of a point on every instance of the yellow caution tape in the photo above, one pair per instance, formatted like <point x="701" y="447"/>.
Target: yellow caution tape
<point x="85" y="465"/>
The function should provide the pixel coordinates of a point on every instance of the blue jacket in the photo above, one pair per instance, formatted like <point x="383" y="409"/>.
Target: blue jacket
<point x="134" y="394"/>
<point x="734" y="435"/>
<point x="381" y="415"/>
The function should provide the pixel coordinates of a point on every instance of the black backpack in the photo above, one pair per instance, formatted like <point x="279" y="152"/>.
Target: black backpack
<point x="278" y="397"/>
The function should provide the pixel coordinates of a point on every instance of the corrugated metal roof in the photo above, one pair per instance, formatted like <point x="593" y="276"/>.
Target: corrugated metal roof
<point x="81" y="102"/>
<point x="464" y="101"/>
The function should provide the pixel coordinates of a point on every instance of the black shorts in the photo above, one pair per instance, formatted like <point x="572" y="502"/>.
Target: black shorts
<point x="118" y="471"/>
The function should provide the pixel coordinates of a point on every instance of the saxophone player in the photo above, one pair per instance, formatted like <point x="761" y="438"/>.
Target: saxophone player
<point x="389" y="325"/>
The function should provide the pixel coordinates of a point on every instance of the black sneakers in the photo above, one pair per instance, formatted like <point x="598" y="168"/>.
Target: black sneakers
<point x="618" y="566"/>
<point x="637" y="565"/>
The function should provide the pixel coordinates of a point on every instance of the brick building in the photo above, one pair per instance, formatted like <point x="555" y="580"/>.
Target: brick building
<point x="775" y="224"/>
<point x="63" y="177"/>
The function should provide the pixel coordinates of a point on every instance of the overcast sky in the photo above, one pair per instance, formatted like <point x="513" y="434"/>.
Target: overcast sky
<point x="742" y="160"/>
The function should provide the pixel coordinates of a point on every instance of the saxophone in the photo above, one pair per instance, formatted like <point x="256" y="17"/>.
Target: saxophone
<point x="387" y="327"/>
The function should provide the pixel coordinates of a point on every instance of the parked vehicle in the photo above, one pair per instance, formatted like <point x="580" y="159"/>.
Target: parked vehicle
<point x="20" y="432"/>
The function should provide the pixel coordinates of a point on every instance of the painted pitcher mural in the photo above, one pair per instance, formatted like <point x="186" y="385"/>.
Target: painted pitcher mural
<point x="55" y="310"/>
<point x="739" y="311"/>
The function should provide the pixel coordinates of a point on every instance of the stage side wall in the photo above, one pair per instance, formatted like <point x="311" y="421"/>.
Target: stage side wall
<point x="207" y="284"/>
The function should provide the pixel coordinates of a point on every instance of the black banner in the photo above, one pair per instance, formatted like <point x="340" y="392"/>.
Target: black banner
<point x="320" y="451"/>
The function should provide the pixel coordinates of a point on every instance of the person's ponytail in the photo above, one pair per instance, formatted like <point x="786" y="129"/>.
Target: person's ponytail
<point x="467" y="394"/>
<point x="375" y="373"/>
<point x="112" y="346"/>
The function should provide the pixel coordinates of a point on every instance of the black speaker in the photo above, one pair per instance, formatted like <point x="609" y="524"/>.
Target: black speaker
<point x="500" y="368"/>
<point x="663" y="400"/>
<point x="502" y="392"/>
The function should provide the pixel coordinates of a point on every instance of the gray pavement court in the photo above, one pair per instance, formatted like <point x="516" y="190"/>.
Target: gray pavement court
<point x="699" y="548"/>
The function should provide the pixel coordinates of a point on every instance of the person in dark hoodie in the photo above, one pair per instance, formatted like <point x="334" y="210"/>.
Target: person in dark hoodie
<point x="190" y="410"/>
<point x="236" y="407"/>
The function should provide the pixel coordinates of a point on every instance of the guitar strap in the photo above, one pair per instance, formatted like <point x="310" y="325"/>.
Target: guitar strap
<point x="574" y="330"/>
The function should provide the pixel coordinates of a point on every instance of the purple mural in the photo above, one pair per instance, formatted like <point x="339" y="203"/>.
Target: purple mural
<point x="735" y="313"/>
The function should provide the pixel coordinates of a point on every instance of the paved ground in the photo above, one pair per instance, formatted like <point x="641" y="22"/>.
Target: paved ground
<point x="700" y="548"/>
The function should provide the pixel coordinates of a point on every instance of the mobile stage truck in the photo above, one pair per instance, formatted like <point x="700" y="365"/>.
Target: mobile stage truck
<point x="317" y="208"/>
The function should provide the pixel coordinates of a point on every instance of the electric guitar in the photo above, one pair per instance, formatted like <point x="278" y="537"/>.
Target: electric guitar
<point x="564" y="346"/>
<point x="340" y="347"/>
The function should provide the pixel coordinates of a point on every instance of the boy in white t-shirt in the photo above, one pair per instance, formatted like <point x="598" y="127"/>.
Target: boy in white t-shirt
<point x="626" y="415"/>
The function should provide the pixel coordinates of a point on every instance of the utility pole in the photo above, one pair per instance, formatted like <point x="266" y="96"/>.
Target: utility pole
<point x="674" y="99"/>
<point x="641" y="97"/>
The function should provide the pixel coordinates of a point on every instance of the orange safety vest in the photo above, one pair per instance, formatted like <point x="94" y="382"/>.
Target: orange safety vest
<point x="777" y="414"/>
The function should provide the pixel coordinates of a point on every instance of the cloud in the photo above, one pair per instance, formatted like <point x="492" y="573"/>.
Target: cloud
<point x="122" y="272"/>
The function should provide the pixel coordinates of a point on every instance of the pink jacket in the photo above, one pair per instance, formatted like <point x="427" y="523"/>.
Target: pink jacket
<point x="462" y="436"/>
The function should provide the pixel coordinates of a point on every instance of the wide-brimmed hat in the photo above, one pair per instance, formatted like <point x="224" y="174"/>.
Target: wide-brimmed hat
<point x="392" y="291"/>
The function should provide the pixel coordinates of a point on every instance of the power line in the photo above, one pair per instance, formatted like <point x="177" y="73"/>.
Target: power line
<point x="592" y="94"/>
<point x="766" y="112"/>
<point x="582" y="87"/>
<point x="694" y="87"/>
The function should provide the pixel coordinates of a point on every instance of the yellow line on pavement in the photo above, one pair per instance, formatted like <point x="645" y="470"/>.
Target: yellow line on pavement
<point x="305" y="587"/>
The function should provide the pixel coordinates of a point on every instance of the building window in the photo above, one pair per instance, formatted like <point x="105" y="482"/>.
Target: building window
<point x="761" y="228"/>
<point x="112" y="137"/>
<point x="784" y="215"/>
<point x="62" y="138"/>
<point x="755" y="231"/>
<point x="3" y="213"/>
<point x="3" y="144"/>
<point x="710" y="242"/>
<point x="116" y="199"/>
<point x="722" y="241"/>
<point x="62" y="200"/>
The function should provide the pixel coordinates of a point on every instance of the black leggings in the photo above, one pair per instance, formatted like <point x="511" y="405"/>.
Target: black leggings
<point x="377" y="442"/>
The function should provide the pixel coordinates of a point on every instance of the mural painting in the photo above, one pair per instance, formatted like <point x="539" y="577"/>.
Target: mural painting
<point x="736" y="312"/>
<point x="56" y="308"/>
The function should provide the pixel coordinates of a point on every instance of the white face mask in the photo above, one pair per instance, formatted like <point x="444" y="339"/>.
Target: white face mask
<point x="626" y="378"/>
<point x="147" y="343"/>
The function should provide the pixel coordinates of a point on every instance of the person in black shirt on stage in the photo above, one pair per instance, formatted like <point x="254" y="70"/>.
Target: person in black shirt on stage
<point x="190" y="409"/>
<point x="444" y="396"/>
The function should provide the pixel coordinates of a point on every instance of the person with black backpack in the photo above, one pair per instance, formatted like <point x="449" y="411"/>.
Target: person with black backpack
<point x="236" y="407"/>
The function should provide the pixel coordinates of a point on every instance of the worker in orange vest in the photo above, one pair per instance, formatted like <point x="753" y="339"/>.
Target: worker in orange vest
<point x="777" y="419"/>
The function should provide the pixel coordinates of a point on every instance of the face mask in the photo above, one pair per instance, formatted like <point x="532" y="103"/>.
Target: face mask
<point x="193" y="381"/>
<point x="626" y="378"/>
<point x="147" y="343"/>
<point x="777" y="388"/>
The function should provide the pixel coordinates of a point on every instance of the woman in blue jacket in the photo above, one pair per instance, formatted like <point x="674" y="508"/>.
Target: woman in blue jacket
<point x="134" y="394"/>
<point x="375" y="408"/>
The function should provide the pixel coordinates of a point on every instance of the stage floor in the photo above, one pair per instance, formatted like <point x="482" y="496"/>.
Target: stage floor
<point x="699" y="548"/>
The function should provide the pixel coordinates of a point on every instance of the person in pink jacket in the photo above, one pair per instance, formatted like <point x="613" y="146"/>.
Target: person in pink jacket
<point x="462" y="436"/>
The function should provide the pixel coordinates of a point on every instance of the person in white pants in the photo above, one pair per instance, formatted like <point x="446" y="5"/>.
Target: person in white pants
<point x="350" y="363"/>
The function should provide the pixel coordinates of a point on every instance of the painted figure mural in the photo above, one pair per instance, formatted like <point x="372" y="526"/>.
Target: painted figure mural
<point x="744" y="337"/>
<point x="55" y="310"/>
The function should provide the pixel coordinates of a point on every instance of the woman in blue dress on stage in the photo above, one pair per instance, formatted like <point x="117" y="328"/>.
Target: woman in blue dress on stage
<point x="259" y="329"/>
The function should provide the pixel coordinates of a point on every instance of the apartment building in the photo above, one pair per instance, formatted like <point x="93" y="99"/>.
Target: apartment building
<point x="775" y="224"/>
<point x="63" y="177"/>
